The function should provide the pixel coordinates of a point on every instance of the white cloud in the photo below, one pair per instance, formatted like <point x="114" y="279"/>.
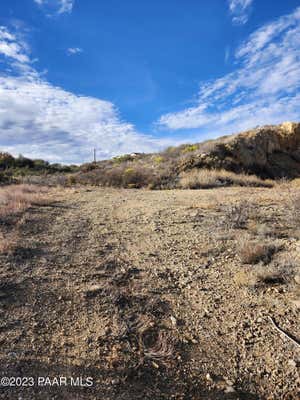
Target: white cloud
<point x="11" y="47"/>
<point x="74" y="50"/>
<point x="239" y="10"/>
<point x="66" y="6"/>
<point x="264" y="88"/>
<point x="40" y="120"/>
<point x="58" y="6"/>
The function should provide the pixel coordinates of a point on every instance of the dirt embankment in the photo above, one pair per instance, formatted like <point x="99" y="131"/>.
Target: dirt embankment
<point x="269" y="151"/>
<point x="147" y="293"/>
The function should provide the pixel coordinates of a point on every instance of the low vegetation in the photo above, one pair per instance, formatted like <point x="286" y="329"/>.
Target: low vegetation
<point x="255" y="251"/>
<point x="210" y="178"/>
<point x="14" y="200"/>
<point x="17" y="198"/>
<point x="12" y="169"/>
<point x="254" y="158"/>
<point x="236" y="215"/>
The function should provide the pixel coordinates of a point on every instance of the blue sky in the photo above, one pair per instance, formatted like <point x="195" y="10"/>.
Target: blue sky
<point x="140" y="75"/>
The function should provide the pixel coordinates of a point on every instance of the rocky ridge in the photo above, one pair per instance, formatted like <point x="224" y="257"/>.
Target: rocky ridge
<point x="271" y="151"/>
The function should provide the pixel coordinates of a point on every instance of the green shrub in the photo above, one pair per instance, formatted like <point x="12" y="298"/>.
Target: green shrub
<point x="158" y="160"/>
<point x="122" y="159"/>
<point x="189" y="148"/>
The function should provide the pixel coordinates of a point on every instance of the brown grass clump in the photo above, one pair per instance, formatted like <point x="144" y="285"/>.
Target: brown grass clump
<point x="284" y="270"/>
<point x="261" y="229"/>
<point x="295" y="211"/>
<point x="8" y="242"/>
<point x="16" y="198"/>
<point x="209" y="178"/>
<point x="244" y="278"/>
<point x="254" y="251"/>
<point x="237" y="215"/>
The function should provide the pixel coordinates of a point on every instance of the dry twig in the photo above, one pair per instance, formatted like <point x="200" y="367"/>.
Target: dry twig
<point x="285" y="334"/>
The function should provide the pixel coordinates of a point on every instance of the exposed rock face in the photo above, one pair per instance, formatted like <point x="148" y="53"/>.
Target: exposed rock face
<point x="269" y="151"/>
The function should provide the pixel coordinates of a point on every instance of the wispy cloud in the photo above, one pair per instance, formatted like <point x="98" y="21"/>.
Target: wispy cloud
<point x="40" y="120"/>
<point x="11" y="47"/>
<point x="240" y="10"/>
<point x="264" y="88"/>
<point x="74" y="50"/>
<point x="58" y="6"/>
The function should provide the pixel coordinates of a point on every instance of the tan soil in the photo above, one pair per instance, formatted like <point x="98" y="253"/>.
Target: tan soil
<point x="144" y="292"/>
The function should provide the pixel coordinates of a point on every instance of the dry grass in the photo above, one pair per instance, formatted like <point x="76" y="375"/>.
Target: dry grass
<point x="236" y="215"/>
<point x="261" y="229"/>
<point x="244" y="278"/>
<point x="17" y="198"/>
<point x="284" y="271"/>
<point x="254" y="251"/>
<point x="294" y="217"/>
<point x="8" y="242"/>
<point x="210" y="178"/>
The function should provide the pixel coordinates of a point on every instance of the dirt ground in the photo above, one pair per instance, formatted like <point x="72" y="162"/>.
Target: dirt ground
<point x="144" y="294"/>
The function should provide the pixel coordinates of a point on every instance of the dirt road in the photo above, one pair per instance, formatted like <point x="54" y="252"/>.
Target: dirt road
<point x="142" y="295"/>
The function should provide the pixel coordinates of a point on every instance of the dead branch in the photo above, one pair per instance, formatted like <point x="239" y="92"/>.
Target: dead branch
<point x="284" y="333"/>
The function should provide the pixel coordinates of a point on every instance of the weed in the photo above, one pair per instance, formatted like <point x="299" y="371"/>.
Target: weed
<point x="254" y="251"/>
<point x="237" y="215"/>
<point x="209" y="178"/>
<point x="16" y="198"/>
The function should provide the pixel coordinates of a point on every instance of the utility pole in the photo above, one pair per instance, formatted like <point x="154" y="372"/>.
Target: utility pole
<point x="95" y="159"/>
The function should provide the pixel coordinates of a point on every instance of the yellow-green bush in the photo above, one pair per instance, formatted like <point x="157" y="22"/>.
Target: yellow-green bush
<point x="189" y="148"/>
<point x="158" y="159"/>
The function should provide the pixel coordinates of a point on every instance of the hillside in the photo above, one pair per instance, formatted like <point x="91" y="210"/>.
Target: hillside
<point x="268" y="152"/>
<point x="271" y="151"/>
<point x="251" y="158"/>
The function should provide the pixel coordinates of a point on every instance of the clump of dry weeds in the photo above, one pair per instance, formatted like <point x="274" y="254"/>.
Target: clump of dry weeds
<point x="236" y="215"/>
<point x="282" y="271"/>
<point x="16" y="198"/>
<point x="252" y="251"/>
<point x="8" y="242"/>
<point x="204" y="178"/>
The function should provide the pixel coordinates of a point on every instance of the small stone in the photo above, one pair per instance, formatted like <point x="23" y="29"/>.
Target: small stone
<point x="173" y="320"/>
<point x="297" y="279"/>
<point x="229" y="389"/>
<point x="292" y="363"/>
<point x="229" y="382"/>
<point x="208" y="377"/>
<point x="296" y="303"/>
